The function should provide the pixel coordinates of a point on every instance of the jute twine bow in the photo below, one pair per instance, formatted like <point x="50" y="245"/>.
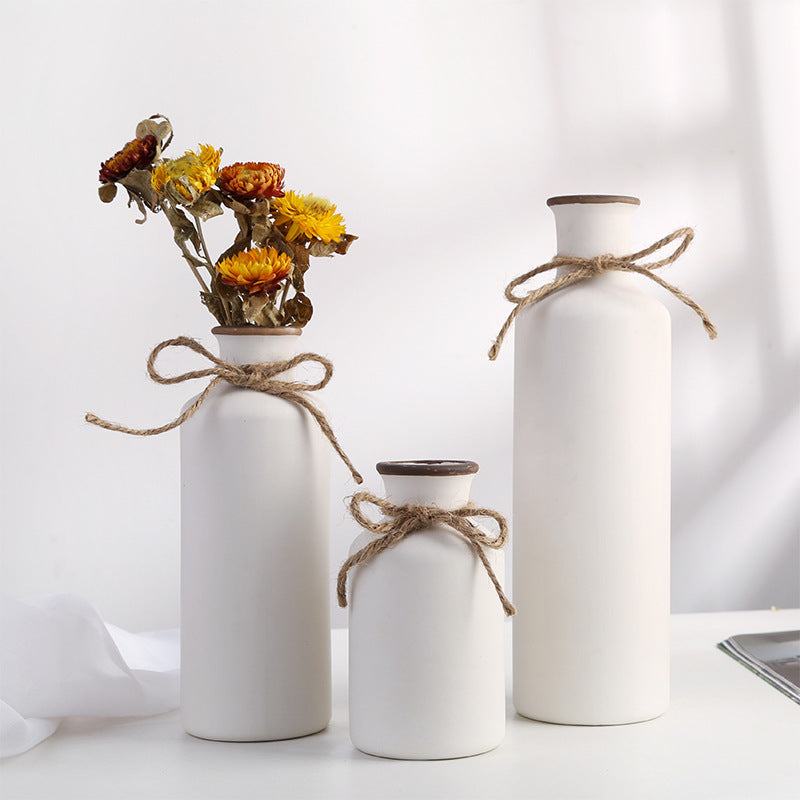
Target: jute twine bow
<point x="258" y="377"/>
<point x="587" y="267"/>
<point x="403" y="520"/>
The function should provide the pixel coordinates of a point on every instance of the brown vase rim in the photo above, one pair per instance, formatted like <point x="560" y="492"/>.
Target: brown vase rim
<point x="254" y="330"/>
<point x="572" y="199"/>
<point x="424" y="466"/>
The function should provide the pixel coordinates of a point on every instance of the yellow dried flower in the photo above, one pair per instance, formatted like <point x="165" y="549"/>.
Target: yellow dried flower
<point x="308" y="216"/>
<point x="184" y="179"/>
<point x="255" y="270"/>
<point x="254" y="180"/>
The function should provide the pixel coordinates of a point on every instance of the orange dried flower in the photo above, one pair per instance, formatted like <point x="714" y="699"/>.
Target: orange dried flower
<point x="136" y="154"/>
<point x="253" y="180"/>
<point x="255" y="270"/>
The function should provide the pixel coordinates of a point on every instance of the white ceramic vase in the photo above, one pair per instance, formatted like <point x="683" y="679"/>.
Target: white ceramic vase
<point x="255" y="613"/>
<point x="591" y="531"/>
<point x="427" y="678"/>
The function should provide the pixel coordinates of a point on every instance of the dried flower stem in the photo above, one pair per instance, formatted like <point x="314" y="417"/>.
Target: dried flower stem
<point x="210" y="267"/>
<point x="285" y="292"/>
<point x="197" y="275"/>
<point x="204" y="246"/>
<point x="226" y="311"/>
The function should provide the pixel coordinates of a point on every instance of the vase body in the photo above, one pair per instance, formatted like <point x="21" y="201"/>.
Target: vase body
<point x="255" y="613"/>
<point x="591" y="532"/>
<point x="427" y="677"/>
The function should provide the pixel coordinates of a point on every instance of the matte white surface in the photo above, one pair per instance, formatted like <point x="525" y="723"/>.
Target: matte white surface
<point x="727" y="734"/>
<point x="255" y="613"/>
<point x="426" y="659"/>
<point x="592" y="488"/>
<point x="438" y="128"/>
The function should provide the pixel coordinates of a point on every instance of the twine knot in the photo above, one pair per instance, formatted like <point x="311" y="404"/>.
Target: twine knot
<point x="251" y="376"/>
<point x="257" y="377"/>
<point x="401" y="520"/>
<point x="600" y="263"/>
<point x="589" y="267"/>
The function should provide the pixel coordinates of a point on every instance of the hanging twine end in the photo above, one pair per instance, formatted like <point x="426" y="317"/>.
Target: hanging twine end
<point x="341" y="590"/>
<point x="494" y="351"/>
<point x="711" y="329"/>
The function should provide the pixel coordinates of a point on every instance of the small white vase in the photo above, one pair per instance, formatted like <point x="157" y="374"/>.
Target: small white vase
<point x="255" y="613"/>
<point x="427" y="678"/>
<point x="591" y="519"/>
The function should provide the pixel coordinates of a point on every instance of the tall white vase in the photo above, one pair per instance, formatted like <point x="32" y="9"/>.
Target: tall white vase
<point x="255" y="615"/>
<point x="592" y="487"/>
<point x="427" y="677"/>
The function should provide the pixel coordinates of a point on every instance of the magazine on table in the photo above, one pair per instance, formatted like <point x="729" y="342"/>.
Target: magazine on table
<point x="775" y="657"/>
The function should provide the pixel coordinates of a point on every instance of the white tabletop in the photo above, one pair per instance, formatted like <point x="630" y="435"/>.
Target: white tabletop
<point x="727" y="734"/>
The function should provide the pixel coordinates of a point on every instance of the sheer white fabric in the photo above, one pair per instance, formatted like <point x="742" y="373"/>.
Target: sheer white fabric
<point x="59" y="659"/>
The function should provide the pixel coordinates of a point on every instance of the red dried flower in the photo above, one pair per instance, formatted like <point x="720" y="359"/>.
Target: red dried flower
<point x="136" y="154"/>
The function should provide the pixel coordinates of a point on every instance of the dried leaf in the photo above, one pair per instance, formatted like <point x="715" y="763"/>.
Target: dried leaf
<point x="242" y="240"/>
<point x="214" y="305"/>
<point x="259" y="310"/>
<point x="239" y="246"/>
<point x="205" y="208"/>
<point x="184" y="231"/>
<point x="281" y="245"/>
<point x="296" y="279"/>
<point x="343" y="245"/>
<point x="138" y="182"/>
<point x="245" y="228"/>
<point x="160" y="127"/>
<point x="134" y="198"/>
<point x="318" y="248"/>
<point x="234" y="205"/>
<point x="181" y="224"/>
<point x="231" y="299"/>
<point x="299" y="255"/>
<point x="298" y="310"/>
<point x="194" y="260"/>
<point x="107" y="192"/>
<point x="262" y="229"/>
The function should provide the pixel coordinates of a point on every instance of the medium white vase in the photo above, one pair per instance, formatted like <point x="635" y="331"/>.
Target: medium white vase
<point x="591" y="531"/>
<point x="255" y="614"/>
<point x="427" y="677"/>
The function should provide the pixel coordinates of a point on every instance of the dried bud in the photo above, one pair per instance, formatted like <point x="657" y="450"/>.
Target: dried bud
<point x="135" y="155"/>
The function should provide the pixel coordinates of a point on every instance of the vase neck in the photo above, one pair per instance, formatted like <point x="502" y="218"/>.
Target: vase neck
<point x="256" y="348"/>
<point x="444" y="491"/>
<point x="592" y="229"/>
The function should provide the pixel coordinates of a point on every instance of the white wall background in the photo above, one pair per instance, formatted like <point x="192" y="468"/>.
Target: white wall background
<point x="439" y="128"/>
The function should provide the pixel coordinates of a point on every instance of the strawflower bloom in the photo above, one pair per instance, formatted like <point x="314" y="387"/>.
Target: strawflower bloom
<point x="136" y="154"/>
<point x="308" y="216"/>
<point x="255" y="270"/>
<point x="253" y="180"/>
<point x="188" y="176"/>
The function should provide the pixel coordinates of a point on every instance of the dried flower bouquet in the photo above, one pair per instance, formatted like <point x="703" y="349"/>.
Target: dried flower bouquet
<point x="259" y="279"/>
